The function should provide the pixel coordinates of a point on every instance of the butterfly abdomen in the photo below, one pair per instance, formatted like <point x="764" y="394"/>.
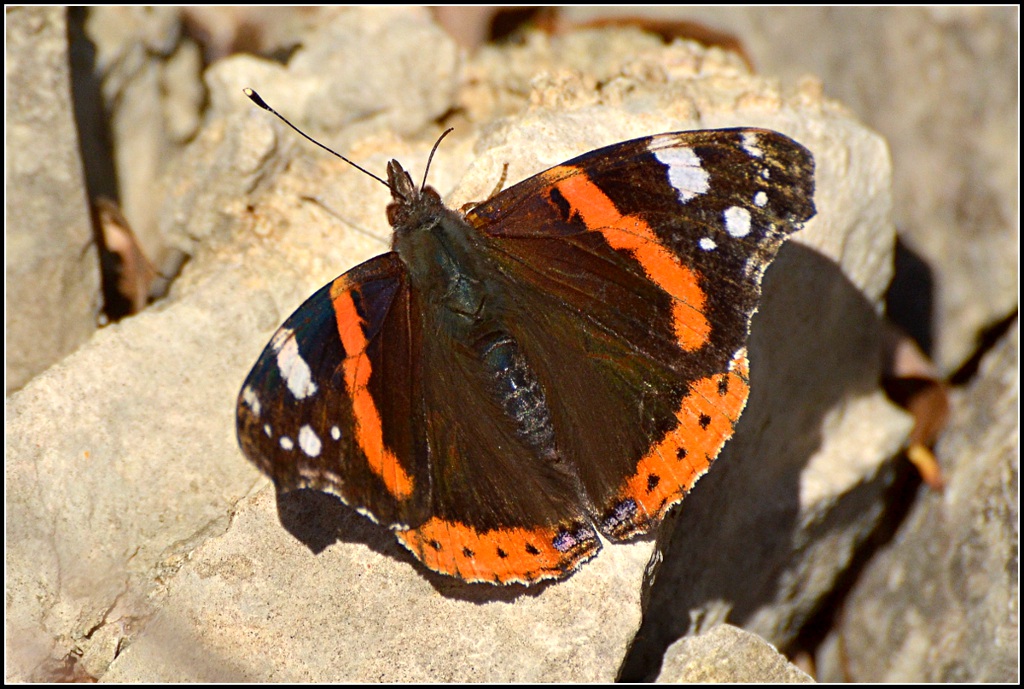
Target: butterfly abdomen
<point x="519" y="392"/>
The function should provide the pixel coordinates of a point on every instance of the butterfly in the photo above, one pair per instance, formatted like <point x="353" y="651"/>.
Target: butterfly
<point x="563" y="360"/>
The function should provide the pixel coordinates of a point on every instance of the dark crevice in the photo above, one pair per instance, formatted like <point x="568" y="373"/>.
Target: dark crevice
<point x="508" y="25"/>
<point x="910" y="299"/>
<point x="95" y="141"/>
<point x="122" y="270"/>
<point x="987" y="339"/>
<point x="96" y="151"/>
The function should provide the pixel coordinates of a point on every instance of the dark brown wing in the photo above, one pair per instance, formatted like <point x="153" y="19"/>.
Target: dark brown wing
<point x="635" y="270"/>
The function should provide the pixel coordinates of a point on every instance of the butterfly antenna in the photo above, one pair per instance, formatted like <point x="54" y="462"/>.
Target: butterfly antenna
<point x="431" y="158"/>
<point x="255" y="98"/>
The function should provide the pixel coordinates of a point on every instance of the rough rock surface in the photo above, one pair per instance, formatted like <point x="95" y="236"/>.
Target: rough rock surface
<point x="727" y="654"/>
<point x="51" y="276"/>
<point x="941" y="603"/>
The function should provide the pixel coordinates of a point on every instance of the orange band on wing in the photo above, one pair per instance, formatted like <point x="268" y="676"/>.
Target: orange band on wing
<point x="369" y="432"/>
<point x="706" y="419"/>
<point x="497" y="556"/>
<point x="632" y="233"/>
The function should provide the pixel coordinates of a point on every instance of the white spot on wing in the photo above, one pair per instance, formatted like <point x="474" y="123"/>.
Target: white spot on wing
<point x="308" y="441"/>
<point x="266" y="429"/>
<point x="293" y="367"/>
<point x="737" y="221"/>
<point x="685" y="172"/>
<point x="251" y="400"/>
<point x="319" y="476"/>
<point x="707" y="243"/>
<point x="335" y="432"/>
<point x="750" y="145"/>
<point x="739" y="355"/>
<point x="366" y="513"/>
<point x="760" y="199"/>
<point x="287" y="443"/>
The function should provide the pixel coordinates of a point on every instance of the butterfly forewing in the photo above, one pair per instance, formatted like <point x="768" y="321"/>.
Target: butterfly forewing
<point x="345" y="353"/>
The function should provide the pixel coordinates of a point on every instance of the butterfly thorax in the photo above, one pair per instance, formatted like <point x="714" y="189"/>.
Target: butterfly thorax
<point x="443" y="256"/>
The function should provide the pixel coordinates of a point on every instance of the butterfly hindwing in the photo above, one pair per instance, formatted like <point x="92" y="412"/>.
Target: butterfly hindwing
<point x="504" y="504"/>
<point x="501" y="512"/>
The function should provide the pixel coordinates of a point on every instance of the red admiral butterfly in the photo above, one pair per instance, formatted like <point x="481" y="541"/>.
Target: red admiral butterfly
<point x="566" y="358"/>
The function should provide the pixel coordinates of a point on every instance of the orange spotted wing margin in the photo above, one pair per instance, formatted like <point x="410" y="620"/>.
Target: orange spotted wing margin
<point x="660" y="243"/>
<point x="309" y="413"/>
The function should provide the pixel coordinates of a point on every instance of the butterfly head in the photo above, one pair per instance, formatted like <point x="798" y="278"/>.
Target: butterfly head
<point x="408" y="203"/>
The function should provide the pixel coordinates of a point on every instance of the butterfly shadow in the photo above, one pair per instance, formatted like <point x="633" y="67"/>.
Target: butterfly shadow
<point x="318" y="520"/>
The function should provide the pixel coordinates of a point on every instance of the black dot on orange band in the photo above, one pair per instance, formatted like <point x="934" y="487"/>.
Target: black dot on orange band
<point x="704" y="421"/>
<point x="681" y="453"/>
<point x="502" y="554"/>
<point x="561" y="203"/>
<point x="467" y="552"/>
<point x="532" y="549"/>
<point x="652" y="482"/>
<point x="723" y="385"/>
<point x="436" y="545"/>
